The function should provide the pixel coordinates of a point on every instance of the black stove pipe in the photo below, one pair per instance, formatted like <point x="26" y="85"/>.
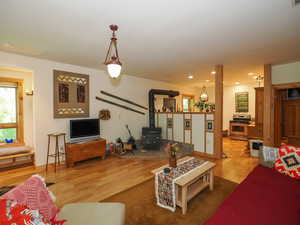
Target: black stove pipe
<point x="151" y="95"/>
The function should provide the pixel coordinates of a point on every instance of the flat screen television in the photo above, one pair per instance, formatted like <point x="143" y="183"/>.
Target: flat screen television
<point x="294" y="93"/>
<point x="84" y="128"/>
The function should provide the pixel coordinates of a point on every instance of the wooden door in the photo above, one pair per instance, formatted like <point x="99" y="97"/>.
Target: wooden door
<point x="291" y="121"/>
<point x="279" y="98"/>
<point x="259" y="106"/>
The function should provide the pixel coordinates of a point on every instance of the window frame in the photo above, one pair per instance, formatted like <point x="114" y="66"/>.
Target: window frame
<point x="187" y="96"/>
<point x="19" y="125"/>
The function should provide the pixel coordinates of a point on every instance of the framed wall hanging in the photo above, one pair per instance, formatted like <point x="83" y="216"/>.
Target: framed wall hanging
<point x="71" y="94"/>
<point x="242" y="102"/>
<point x="187" y="124"/>
<point x="169" y="122"/>
<point x="210" y="126"/>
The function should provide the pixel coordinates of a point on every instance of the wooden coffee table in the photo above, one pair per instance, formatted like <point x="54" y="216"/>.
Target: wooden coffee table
<point x="188" y="186"/>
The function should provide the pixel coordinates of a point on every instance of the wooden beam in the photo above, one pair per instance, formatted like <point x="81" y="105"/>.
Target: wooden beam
<point x="268" y="107"/>
<point x="218" y="142"/>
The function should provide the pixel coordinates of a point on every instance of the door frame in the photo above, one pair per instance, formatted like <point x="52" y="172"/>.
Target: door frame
<point x="277" y="109"/>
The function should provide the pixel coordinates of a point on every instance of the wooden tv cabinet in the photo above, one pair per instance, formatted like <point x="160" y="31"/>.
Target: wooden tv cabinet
<point x="76" y="152"/>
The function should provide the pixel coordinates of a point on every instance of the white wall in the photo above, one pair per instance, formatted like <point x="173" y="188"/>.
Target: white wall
<point x="27" y="100"/>
<point x="286" y="73"/>
<point x="133" y="88"/>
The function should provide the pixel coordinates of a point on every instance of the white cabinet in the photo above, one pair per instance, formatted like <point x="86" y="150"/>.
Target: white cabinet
<point x="198" y="132"/>
<point x="190" y="128"/>
<point x="178" y="127"/>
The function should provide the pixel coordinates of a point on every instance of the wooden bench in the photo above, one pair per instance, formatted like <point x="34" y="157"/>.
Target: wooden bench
<point x="13" y="162"/>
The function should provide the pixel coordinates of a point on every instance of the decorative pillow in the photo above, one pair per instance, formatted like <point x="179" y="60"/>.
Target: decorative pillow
<point x="12" y="213"/>
<point x="34" y="194"/>
<point x="288" y="161"/>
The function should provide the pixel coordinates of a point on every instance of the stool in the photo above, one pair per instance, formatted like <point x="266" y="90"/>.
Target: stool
<point x="57" y="153"/>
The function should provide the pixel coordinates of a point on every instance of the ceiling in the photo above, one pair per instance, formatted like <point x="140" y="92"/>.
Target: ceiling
<point x="162" y="40"/>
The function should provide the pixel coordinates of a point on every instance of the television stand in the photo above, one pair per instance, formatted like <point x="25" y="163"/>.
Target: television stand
<point x="80" y="151"/>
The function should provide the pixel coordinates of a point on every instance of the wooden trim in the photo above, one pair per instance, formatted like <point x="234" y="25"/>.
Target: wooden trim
<point x="20" y="115"/>
<point x="218" y="118"/>
<point x="8" y="125"/>
<point x="11" y="145"/>
<point x="12" y="80"/>
<point x="268" y="129"/>
<point x="287" y="85"/>
<point x="188" y="95"/>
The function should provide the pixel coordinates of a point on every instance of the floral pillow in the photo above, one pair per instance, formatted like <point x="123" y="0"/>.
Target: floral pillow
<point x="12" y="213"/>
<point x="34" y="194"/>
<point x="288" y="161"/>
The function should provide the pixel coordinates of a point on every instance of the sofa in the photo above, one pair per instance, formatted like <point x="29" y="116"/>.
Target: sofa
<point x="265" y="197"/>
<point x="34" y="194"/>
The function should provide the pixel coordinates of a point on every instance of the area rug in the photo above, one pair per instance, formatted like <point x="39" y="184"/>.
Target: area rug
<point x="5" y="189"/>
<point x="141" y="205"/>
<point x="140" y="152"/>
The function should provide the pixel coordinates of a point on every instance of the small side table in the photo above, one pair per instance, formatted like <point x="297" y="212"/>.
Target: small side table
<point x="57" y="153"/>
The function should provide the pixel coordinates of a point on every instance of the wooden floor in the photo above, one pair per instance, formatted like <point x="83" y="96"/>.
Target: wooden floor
<point x="95" y="180"/>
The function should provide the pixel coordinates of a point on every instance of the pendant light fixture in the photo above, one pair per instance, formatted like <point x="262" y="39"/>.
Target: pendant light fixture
<point x="203" y="95"/>
<point x="112" y="60"/>
<point x="259" y="79"/>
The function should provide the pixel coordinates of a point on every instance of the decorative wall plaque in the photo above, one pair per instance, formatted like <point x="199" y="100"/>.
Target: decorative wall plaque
<point x="210" y="126"/>
<point x="104" y="114"/>
<point x="242" y="102"/>
<point x="187" y="124"/>
<point x="71" y="94"/>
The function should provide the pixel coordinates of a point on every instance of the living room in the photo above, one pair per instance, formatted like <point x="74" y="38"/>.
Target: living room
<point x="55" y="73"/>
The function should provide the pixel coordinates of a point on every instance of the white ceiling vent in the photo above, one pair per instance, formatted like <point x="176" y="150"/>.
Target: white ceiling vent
<point x="295" y="2"/>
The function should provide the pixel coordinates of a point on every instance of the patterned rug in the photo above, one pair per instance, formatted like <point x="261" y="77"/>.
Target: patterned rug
<point x="5" y="189"/>
<point x="141" y="207"/>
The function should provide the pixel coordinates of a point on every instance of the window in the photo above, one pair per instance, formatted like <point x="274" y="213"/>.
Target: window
<point x="11" y="111"/>
<point x="187" y="103"/>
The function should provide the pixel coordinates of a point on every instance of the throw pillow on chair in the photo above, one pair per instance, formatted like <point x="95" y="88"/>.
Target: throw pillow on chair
<point x="288" y="161"/>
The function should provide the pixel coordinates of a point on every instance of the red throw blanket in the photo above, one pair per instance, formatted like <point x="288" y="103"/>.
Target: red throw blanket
<point x="265" y="197"/>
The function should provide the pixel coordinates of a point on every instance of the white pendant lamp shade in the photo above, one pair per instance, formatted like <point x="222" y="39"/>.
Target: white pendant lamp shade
<point x="204" y="97"/>
<point x="114" y="70"/>
<point x="112" y="60"/>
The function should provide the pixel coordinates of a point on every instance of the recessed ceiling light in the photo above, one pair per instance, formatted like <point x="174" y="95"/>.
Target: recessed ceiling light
<point x="213" y="72"/>
<point x="190" y="76"/>
<point x="237" y="83"/>
<point x="250" y="74"/>
<point x="207" y="80"/>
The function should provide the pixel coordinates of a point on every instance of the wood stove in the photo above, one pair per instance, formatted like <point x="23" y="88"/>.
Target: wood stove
<point x="151" y="136"/>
